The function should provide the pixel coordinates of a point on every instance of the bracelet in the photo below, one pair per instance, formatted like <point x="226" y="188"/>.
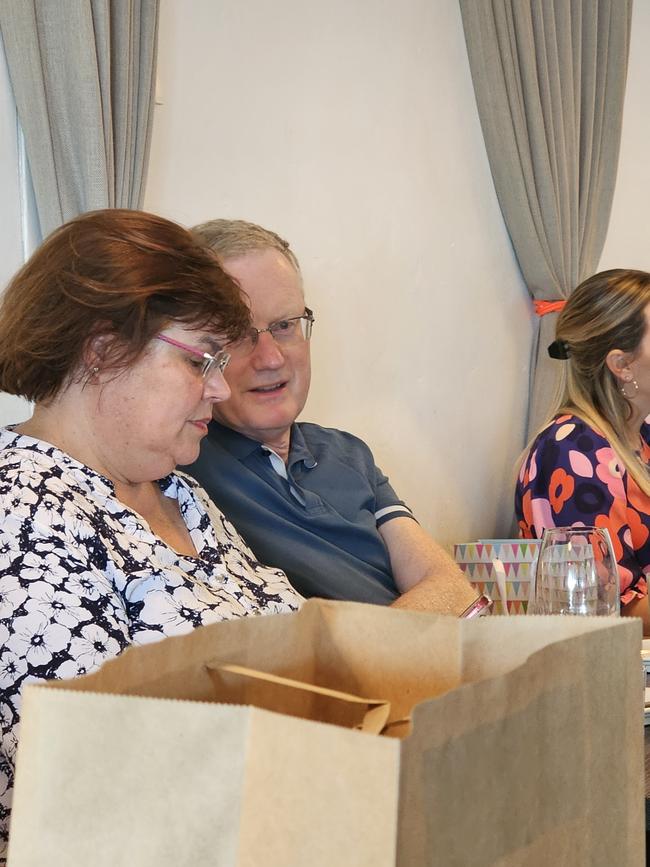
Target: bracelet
<point x="482" y="605"/>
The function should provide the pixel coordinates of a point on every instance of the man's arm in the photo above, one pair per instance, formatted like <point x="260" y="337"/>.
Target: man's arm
<point x="424" y="573"/>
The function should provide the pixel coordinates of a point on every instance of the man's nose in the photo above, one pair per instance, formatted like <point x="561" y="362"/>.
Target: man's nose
<point x="267" y="354"/>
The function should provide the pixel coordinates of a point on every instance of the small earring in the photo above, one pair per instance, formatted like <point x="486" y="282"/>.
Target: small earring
<point x="635" y="386"/>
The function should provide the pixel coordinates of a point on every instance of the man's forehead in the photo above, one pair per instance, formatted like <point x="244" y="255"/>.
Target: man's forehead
<point x="273" y="285"/>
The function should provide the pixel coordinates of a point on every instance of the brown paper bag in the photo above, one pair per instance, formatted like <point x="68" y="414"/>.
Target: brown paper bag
<point x="525" y="746"/>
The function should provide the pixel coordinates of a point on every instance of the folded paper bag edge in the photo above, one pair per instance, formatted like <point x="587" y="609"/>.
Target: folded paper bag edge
<point x="375" y="721"/>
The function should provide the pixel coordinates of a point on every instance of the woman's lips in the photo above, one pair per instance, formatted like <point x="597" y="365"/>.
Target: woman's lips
<point x="201" y="424"/>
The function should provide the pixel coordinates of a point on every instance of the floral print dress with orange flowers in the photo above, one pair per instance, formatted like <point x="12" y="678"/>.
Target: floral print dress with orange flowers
<point x="572" y="476"/>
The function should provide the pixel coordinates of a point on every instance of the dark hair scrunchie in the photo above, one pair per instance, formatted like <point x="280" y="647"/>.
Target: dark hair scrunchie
<point x="559" y="349"/>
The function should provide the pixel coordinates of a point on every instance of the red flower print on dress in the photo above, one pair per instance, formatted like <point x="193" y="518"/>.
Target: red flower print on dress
<point x="560" y="489"/>
<point x="638" y="500"/>
<point x="638" y="530"/>
<point x="527" y="522"/>
<point x="615" y="522"/>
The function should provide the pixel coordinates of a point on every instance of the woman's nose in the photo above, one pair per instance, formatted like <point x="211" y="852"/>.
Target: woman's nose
<point x="215" y="386"/>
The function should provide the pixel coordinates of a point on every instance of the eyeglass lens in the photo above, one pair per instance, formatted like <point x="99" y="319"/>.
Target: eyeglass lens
<point x="285" y="331"/>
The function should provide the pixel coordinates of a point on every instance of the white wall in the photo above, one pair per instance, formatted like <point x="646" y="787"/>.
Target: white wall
<point x="352" y="130"/>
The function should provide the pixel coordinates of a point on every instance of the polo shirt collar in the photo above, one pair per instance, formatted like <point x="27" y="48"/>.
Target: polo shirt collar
<point x="241" y="446"/>
<point x="298" y="449"/>
<point x="237" y="444"/>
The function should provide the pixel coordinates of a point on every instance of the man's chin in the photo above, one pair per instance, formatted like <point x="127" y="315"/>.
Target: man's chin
<point x="259" y="426"/>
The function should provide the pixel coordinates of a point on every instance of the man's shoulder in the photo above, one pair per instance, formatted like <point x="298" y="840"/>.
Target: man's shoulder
<point x="331" y="437"/>
<point x="331" y="445"/>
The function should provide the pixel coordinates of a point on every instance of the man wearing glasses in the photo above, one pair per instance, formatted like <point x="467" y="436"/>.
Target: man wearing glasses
<point x="307" y="499"/>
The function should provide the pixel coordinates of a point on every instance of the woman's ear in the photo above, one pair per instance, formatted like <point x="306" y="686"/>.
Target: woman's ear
<point x="619" y="364"/>
<point x="95" y="351"/>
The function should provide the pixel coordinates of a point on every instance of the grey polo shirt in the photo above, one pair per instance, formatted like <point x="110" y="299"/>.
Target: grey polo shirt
<point x="319" y="523"/>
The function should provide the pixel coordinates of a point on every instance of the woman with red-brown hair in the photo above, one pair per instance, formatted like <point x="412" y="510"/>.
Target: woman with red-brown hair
<point x="115" y="330"/>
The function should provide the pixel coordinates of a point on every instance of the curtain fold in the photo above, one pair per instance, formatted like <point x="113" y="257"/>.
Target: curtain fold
<point x="83" y="76"/>
<point x="549" y="78"/>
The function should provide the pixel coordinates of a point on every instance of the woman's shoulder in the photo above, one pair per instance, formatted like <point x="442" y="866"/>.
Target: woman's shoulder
<point x="570" y="432"/>
<point x="16" y="448"/>
<point x="24" y="461"/>
<point x="40" y="482"/>
<point x="568" y="444"/>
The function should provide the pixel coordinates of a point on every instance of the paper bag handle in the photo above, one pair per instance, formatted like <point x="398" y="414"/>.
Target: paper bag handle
<point x="373" y="722"/>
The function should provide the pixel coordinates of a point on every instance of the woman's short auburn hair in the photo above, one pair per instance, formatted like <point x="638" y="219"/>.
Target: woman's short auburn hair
<point x="118" y="274"/>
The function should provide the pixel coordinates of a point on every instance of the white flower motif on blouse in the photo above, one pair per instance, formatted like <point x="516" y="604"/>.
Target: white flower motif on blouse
<point x="192" y="519"/>
<point x="131" y="527"/>
<point x="37" y="639"/>
<point x="78" y="524"/>
<point x="12" y="667"/>
<point x="93" y="646"/>
<point x="12" y="596"/>
<point x="70" y="668"/>
<point x="84" y="585"/>
<point x="56" y="605"/>
<point x="30" y="473"/>
<point x="48" y="512"/>
<point x="43" y="566"/>
<point x="180" y="610"/>
<point x="8" y="553"/>
<point x="11" y="746"/>
<point x="21" y="501"/>
<point x="6" y="714"/>
<point x="163" y="556"/>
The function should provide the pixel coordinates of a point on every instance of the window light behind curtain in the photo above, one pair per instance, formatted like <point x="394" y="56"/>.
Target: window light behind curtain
<point x="549" y="79"/>
<point x="83" y="75"/>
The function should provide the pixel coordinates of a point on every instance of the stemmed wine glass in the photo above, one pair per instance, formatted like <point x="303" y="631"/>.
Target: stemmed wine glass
<point x="576" y="573"/>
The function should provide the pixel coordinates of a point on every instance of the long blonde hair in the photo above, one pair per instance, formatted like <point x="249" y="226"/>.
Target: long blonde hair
<point x="605" y="312"/>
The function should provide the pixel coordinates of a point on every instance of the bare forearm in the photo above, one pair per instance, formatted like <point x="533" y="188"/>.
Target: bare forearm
<point x="428" y="578"/>
<point x="438" y="594"/>
<point x="639" y="608"/>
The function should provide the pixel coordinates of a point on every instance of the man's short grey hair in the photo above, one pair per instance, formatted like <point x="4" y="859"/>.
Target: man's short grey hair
<point x="232" y="238"/>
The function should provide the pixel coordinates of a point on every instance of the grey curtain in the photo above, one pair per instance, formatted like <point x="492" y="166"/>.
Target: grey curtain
<point x="83" y="76"/>
<point x="549" y="78"/>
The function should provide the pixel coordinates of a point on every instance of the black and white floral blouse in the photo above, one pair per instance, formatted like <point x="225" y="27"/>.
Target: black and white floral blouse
<point x="82" y="576"/>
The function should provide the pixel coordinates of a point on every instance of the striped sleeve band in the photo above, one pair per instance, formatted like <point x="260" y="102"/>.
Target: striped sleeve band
<point x="399" y="510"/>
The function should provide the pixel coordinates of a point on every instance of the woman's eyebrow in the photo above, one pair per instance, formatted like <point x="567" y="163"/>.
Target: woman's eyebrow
<point x="210" y="344"/>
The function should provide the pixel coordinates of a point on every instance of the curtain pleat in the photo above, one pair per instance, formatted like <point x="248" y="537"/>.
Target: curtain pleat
<point x="549" y="78"/>
<point x="83" y="76"/>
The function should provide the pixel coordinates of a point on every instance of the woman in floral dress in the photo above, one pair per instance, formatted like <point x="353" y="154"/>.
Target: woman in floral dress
<point x="114" y="330"/>
<point x="589" y="464"/>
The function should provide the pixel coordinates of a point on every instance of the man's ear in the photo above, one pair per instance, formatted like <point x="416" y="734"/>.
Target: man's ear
<point x="619" y="364"/>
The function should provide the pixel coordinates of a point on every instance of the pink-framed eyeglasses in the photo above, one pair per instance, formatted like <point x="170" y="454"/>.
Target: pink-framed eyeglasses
<point x="204" y="361"/>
